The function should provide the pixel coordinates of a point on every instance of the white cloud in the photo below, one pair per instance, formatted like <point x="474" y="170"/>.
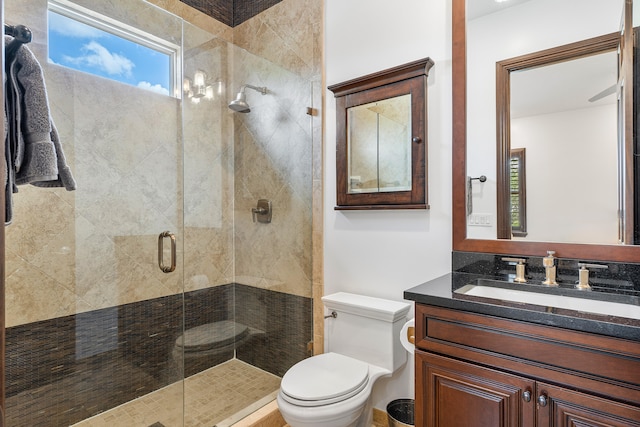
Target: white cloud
<point x="99" y="57"/>
<point x="72" y="28"/>
<point x="154" y="88"/>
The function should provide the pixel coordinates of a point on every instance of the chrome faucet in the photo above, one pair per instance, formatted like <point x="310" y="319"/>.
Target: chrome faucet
<point x="549" y="269"/>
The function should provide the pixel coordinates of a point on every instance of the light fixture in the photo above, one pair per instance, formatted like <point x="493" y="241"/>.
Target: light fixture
<point x="198" y="87"/>
<point x="199" y="78"/>
<point x="209" y="92"/>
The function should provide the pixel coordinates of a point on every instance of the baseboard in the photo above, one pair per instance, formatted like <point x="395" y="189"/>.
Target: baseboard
<point x="267" y="416"/>
<point x="380" y="418"/>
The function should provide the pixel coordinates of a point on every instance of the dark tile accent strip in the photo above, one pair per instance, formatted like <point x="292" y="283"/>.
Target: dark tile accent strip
<point x="231" y="12"/>
<point x="244" y="10"/>
<point x="220" y="10"/>
<point x="287" y="322"/>
<point x="63" y="370"/>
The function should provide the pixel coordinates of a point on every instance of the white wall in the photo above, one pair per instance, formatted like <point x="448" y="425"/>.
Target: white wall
<point x="571" y="167"/>
<point x="382" y="253"/>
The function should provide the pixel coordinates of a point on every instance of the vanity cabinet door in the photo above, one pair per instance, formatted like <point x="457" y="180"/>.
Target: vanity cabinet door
<point x="560" y="407"/>
<point x="451" y="393"/>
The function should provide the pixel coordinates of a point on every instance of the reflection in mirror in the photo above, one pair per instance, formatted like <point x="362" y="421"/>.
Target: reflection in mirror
<point x="569" y="128"/>
<point x="379" y="144"/>
<point x="517" y="215"/>
<point x="571" y="190"/>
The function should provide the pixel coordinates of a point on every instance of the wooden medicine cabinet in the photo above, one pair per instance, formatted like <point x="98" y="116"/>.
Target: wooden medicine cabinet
<point x="381" y="139"/>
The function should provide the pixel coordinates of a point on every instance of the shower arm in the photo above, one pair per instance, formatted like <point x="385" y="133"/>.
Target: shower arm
<point x="262" y="90"/>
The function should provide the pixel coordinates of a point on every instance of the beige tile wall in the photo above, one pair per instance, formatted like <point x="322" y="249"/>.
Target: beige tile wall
<point x="290" y="34"/>
<point x="69" y="252"/>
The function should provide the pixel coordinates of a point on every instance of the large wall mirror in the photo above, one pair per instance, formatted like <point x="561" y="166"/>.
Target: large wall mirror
<point x="552" y="79"/>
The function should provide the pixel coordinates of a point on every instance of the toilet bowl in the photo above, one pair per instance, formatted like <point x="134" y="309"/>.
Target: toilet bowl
<point x="328" y="390"/>
<point x="333" y="389"/>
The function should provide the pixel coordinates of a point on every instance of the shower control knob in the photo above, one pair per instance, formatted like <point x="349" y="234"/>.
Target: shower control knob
<point x="262" y="212"/>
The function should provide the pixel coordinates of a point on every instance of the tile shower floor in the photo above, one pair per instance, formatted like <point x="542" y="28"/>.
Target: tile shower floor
<point x="217" y="397"/>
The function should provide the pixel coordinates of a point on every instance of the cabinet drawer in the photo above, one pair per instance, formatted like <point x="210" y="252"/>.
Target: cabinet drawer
<point x="540" y="351"/>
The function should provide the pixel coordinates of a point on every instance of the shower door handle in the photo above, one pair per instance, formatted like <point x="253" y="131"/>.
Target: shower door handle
<point x="161" y="237"/>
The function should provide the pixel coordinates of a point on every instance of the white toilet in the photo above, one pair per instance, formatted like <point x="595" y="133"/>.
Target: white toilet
<point x="333" y="389"/>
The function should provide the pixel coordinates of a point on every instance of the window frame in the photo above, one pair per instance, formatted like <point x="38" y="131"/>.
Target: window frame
<point x="135" y="35"/>
<point x="518" y="154"/>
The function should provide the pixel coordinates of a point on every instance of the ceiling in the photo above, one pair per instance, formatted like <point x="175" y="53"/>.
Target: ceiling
<point x="478" y="8"/>
<point x="554" y="88"/>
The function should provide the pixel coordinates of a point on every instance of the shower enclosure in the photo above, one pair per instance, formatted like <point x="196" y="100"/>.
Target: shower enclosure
<point x="97" y="333"/>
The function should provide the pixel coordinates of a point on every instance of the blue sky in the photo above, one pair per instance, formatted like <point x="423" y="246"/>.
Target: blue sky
<point x="82" y="47"/>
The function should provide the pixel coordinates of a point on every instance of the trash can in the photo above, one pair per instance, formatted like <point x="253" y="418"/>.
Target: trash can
<point x="400" y="413"/>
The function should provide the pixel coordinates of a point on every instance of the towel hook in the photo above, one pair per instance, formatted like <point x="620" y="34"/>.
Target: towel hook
<point x="20" y="33"/>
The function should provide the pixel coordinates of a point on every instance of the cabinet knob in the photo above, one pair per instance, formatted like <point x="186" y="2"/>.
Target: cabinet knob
<point x="542" y="400"/>
<point x="527" y="396"/>
<point x="417" y="139"/>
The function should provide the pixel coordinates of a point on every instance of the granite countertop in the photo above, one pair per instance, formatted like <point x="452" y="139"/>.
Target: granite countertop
<point x="441" y="292"/>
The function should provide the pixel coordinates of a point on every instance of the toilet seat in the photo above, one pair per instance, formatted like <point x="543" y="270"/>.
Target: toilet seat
<point x="211" y="336"/>
<point x="324" y="379"/>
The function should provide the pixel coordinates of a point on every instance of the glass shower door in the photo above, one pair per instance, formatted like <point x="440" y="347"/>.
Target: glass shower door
<point x="92" y="320"/>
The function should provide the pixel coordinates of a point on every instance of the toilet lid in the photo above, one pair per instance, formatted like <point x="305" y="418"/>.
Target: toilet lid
<point x="324" y="379"/>
<point x="211" y="335"/>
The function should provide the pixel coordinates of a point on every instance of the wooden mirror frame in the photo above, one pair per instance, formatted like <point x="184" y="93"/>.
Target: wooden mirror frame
<point x="405" y="79"/>
<point x="460" y="242"/>
<point x="555" y="55"/>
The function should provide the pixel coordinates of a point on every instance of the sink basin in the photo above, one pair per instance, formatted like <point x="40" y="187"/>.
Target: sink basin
<point x="588" y="305"/>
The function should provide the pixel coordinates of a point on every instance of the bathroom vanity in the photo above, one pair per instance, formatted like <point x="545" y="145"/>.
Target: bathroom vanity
<point x="486" y="361"/>
<point x="494" y="352"/>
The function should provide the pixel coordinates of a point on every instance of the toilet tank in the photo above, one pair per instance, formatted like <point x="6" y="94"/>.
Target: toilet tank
<point x="366" y="328"/>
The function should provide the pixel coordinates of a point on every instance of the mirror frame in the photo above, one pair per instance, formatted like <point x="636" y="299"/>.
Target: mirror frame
<point x="410" y="78"/>
<point x="593" y="46"/>
<point x="460" y="242"/>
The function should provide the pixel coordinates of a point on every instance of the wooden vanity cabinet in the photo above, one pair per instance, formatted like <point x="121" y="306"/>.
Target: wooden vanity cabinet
<point x="454" y="393"/>
<point x="476" y="370"/>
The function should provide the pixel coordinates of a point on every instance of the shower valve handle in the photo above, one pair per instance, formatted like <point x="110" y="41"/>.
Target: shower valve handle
<point x="262" y="212"/>
<point x="257" y="211"/>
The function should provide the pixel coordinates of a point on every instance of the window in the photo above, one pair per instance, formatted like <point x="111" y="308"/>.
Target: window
<point x="91" y="43"/>
<point x="517" y="192"/>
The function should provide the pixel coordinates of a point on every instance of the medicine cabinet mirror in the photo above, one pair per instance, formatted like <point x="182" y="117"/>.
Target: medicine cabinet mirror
<point x="381" y="140"/>
<point x="479" y="47"/>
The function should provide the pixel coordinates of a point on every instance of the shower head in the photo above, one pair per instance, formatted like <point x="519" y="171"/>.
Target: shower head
<point x="240" y="104"/>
